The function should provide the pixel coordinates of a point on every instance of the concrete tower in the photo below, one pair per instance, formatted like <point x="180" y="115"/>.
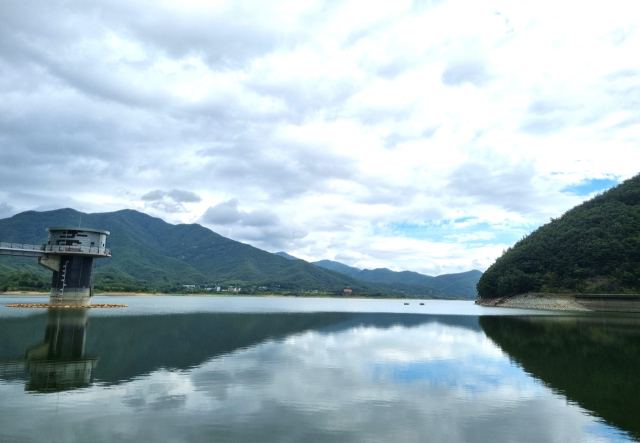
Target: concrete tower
<point x="70" y="253"/>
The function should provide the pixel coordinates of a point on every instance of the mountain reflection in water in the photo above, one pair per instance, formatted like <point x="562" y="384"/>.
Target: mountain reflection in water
<point x="592" y="361"/>
<point x="132" y="346"/>
<point x="323" y="376"/>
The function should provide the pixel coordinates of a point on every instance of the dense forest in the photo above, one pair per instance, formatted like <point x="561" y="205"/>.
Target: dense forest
<point x="593" y="248"/>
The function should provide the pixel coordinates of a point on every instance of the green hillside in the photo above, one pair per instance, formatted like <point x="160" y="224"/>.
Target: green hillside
<point x="593" y="248"/>
<point x="152" y="255"/>
<point x="285" y="255"/>
<point x="339" y="267"/>
<point x="462" y="284"/>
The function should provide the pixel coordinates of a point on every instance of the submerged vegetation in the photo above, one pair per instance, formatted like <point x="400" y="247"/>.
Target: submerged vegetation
<point x="593" y="248"/>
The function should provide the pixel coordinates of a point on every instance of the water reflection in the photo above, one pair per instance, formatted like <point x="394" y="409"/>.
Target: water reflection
<point x="592" y="361"/>
<point x="341" y="376"/>
<point x="59" y="362"/>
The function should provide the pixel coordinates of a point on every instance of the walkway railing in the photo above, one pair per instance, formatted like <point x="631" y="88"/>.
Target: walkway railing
<point x="56" y="248"/>
<point x="26" y="247"/>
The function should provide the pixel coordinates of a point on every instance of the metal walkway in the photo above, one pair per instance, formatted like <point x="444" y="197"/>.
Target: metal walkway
<point x="27" y="250"/>
<point x="21" y="249"/>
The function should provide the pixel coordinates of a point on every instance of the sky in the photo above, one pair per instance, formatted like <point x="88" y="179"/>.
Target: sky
<point x="413" y="135"/>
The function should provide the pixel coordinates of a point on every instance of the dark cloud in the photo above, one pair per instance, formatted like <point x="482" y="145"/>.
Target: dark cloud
<point x="224" y="213"/>
<point x="260" y="227"/>
<point x="167" y="206"/>
<point x="508" y="186"/>
<point x="154" y="195"/>
<point x="281" y="169"/>
<point x="459" y="72"/>
<point x="227" y="213"/>
<point x="176" y="195"/>
<point x="170" y="202"/>
<point x="184" y="196"/>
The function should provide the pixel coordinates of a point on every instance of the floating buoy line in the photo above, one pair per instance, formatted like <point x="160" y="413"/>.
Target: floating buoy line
<point x="44" y="305"/>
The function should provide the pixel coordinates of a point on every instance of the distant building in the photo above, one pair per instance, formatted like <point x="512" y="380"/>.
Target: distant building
<point x="189" y="286"/>
<point x="347" y="290"/>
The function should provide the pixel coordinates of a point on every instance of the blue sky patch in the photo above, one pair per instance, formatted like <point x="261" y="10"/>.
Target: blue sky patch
<point x="603" y="431"/>
<point x="588" y="187"/>
<point x="461" y="373"/>
<point x="460" y="231"/>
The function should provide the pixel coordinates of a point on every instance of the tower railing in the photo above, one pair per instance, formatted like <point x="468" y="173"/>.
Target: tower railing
<point x="57" y="248"/>
<point x="24" y="246"/>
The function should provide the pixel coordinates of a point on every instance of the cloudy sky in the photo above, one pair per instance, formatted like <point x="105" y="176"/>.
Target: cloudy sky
<point x="414" y="135"/>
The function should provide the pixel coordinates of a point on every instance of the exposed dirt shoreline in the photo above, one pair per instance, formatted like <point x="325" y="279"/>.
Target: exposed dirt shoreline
<point x="555" y="302"/>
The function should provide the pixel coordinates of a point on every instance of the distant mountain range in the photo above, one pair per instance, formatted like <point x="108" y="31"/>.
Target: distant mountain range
<point x="461" y="284"/>
<point x="152" y="255"/>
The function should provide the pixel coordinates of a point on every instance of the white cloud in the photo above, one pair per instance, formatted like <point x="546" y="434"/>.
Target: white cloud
<point x="332" y="123"/>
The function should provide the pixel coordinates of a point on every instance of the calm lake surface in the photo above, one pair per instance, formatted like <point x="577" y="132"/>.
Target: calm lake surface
<point x="245" y="369"/>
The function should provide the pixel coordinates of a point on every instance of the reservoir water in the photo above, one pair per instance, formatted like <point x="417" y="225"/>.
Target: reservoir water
<point x="244" y="369"/>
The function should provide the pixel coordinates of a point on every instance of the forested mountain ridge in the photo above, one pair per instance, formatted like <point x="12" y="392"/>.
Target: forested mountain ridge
<point x="152" y="255"/>
<point x="462" y="284"/>
<point x="592" y="248"/>
<point x="339" y="267"/>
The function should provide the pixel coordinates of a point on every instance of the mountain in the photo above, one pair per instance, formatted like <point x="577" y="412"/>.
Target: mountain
<point x="152" y="255"/>
<point x="462" y="284"/>
<point x="593" y="248"/>
<point x="339" y="267"/>
<point x="285" y="255"/>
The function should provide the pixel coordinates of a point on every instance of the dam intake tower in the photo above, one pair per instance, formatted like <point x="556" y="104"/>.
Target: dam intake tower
<point x="70" y="253"/>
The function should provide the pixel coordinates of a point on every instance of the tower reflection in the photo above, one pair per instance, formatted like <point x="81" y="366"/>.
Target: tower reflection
<point x="58" y="363"/>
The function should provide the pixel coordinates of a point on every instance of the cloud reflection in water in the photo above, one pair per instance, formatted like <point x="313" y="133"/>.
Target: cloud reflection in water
<point x="424" y="382"/>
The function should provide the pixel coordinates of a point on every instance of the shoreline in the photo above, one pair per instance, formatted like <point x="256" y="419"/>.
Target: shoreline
<point x="146" y="294"/>
<point x="623" y="303"/>
<point x="552" y="302"/>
